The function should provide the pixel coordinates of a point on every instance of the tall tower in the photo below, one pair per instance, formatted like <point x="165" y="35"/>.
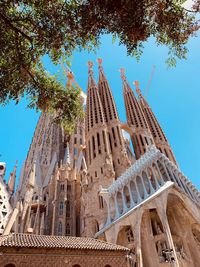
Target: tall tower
<point x="140" y="133"/>
<point x="116" y="140"/>
<point x="46" y="149"/>
<point x="98" y="158"/>
<point x="155" y="128"/>
<point x="5" y="194"/>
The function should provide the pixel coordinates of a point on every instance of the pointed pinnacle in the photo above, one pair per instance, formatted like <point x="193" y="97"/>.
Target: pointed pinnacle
<point x="136" y="83"/>
<point x="99" y="60"/>
<point x="90" y="65"/>
<point x="122" y="71"/>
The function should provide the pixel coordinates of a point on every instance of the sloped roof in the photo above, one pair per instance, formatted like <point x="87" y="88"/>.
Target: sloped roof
<point x="67" y="242"/>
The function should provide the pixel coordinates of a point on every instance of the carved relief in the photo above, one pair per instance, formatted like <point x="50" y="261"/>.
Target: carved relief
<point x="180" y="251"/>
<point x="108" y="167"/>
<point x="124" y="158"/>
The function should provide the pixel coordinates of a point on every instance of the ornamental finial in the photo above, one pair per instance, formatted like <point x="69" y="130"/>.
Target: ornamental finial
<point x="136" y="83"/>
<point x="90" y="65"/>
<point x="100" y="61"/>
<point x="122" y="71"/>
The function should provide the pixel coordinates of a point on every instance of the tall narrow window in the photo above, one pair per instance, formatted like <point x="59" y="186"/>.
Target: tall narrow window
<point x="68" y="209"/>
<point x="61" y="206"/>
<point x="75" y="151"/>
<point x="62" y="187"/>
<point x="98" y="142"/>
<point x="110" y="141"/>
<point x="104" y="140"/>
<point x="68" y="230"/>
<point x="100" y="202"/>
<point x="141" y="140"/>
<point x="89" y="148"/>
<point x="93" y="144"/>
<point x="114" y="138"/>
<point x="119" y="136"/>
<point x="69" y="188"/>
<point x="60" y="228"/>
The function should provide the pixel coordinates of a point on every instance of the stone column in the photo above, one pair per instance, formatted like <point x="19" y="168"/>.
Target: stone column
<point x="123" y="202"/>
<point x="136" y="228"/>
<point x="116" y="207"/>
<point x="131" y="197"/>
<point x="163" y="217"/>
<point x="161" y="177"/>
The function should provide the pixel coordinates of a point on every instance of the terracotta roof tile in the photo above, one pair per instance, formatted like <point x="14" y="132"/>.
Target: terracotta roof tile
<point x="68" y="242"/>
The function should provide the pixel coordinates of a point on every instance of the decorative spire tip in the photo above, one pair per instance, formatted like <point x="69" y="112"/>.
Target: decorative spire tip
<point x="99" y="60"/>
<point x="90" y="64"/>
<point x="136" y="83"/>
<point x="122" y="71"/>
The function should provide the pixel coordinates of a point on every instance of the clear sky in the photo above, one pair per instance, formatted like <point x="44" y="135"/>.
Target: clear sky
<point x="174" y="96"/>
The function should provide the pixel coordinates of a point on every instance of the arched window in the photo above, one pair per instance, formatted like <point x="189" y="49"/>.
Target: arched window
<point x="10" y="265"/>
<point x="76" y="265"/>
<point x="107" y="265"/>
<point x="59" y="228"/>
<point x="61" y="206"/>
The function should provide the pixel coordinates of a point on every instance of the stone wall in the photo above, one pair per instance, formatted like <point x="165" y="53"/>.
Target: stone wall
<point x="31" y="257"/>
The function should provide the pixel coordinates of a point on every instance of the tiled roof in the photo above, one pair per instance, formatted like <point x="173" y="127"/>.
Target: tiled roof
<point x="68" y="242"/>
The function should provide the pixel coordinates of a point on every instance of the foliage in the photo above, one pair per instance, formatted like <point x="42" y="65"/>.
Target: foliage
<point x="31" y="29"/>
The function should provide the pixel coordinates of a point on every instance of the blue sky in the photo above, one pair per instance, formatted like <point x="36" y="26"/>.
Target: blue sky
<point x="174" y="96"/>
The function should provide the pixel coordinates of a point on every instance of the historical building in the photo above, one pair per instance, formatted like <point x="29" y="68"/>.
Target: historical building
<point x="6" y="195"/>
<point x="95" y="186"/>
<point x="38" y="250"/>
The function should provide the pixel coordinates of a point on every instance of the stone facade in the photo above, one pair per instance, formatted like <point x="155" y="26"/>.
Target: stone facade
<point x="94" y="185"/>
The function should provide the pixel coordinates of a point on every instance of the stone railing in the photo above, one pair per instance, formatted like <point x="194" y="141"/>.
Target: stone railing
<point x="145" y="177"/>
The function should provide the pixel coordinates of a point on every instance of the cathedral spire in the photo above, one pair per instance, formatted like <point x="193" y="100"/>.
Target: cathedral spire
<point x="115" y="137"/>
<point x="98" y="153"/>
<point x="140" y="133"/>
<point x="109" y="107"/>
<point x="159" y="137"/>
<point x="67" y="155"/>
<point x="91" y="81"/>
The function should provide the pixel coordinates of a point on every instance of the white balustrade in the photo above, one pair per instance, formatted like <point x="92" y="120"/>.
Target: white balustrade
<point x="146" y="176"/>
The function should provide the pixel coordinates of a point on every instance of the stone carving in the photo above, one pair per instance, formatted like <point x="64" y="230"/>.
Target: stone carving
<point x="131" y="258"/>
<point x="84" y="177"/>
<point x="180" y="252"/>
<point x="108" y="167"/>
<point x="124" y="158"/>
<point x="157" y="228"/>
<point x="129" y="234"/>
<point x="161" y="246"/>
<point x="167" y="255"/>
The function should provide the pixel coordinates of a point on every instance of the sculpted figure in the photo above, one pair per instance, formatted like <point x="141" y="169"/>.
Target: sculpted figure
<point x="108" y="167"/>
<point x="84" y="177"/>
<point x="124" y="158"/>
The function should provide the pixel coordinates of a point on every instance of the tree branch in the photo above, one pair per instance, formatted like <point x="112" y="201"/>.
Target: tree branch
<point x="8" y="23"/>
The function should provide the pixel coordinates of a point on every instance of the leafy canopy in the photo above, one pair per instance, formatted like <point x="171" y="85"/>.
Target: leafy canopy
<point x="31" y="29"/>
